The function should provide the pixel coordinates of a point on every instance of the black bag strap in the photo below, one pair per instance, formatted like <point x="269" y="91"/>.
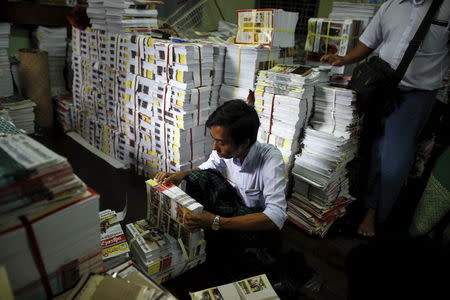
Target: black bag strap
<point x="417" y="40"/>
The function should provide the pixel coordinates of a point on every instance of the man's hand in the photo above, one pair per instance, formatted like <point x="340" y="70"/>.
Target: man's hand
<point x="174" y="178"/>
<point x="333" y="60"/>
<point x="196" y="222"/>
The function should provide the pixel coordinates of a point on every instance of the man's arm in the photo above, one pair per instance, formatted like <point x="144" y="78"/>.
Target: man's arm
<point x="250" y="222"/>
<point x="357" y="54"/>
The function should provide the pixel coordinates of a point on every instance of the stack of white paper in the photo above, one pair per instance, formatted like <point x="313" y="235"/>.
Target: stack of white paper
<point x="21" y="112"/>
<point x="357" y="11"/>
<point x="269" y="27"/>
<point x="130" y="16"/>
<point x="6" y="81"/>
<point x="54" y="41"/>
<point x="283" y="100"/>
<point x="97" y="14"/>
<point x="332" y="36"/>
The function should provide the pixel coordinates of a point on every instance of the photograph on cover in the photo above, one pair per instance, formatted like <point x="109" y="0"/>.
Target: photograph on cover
<point x="244" y="286"/>
<point x="216" y="294"/>
<point x="174" y="229"/>
<point x="166" y="204"/>
<point x="153" y="215"/>
<point x="256" y="284"/>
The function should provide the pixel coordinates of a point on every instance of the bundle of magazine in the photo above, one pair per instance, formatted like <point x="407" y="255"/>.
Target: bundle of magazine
<point x="115" y="249"/>
<point x="125" y="281"/>
<point x="33" y="175"/>
<point x="54" y="41"/>
<point x="284" y="100"/>
<point x="21" y="112"/>
<point x="6" y="80"/>
<point x="269" y="27"/>
<point x="161" y="245"/>
<point x="254" y="288"/>
<point x="332" y="36"/>
<point x="350" y="10"/>
<point x="123" y="15"/>
<point x="48" y="218"/>
<point x="64" y="112"/>
<point x="145" y="101"/>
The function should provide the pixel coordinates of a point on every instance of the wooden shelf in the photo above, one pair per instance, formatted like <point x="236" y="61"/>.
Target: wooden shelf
<point x="33" y="13"/>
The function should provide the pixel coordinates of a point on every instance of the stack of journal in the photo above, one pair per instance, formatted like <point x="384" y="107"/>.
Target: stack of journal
<point x="6" y="80"/>
<point x="269" y="27"/>
<point x="331" y="36"/>
<point x="48" y="219"/>
<point x="357" y="11"/>
<point x="21" y="112"/>
<point x="284" y="100"/>
<point x="54" y="41"/>
<point x="64" y="112"/>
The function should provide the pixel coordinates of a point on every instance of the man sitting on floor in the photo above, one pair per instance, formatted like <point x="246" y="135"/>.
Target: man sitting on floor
<point x="241" y="185"/>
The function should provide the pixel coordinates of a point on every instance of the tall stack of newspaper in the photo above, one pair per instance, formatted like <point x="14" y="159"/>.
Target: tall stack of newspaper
<point x="123" y="15"/>
<point x="6" y="81"/>
<point x="332" y="36"/>
<point x="264" y="38"/>
<point x="21" y="112"/>
<point x="45" y="209"/>
<point x="54" y="41"/>
<point x="161" y="244"/>
<point x="321" y="182"/>
<point x="284" y="101"/>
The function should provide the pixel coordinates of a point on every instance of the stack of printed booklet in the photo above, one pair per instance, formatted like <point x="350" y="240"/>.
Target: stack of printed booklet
<point x="321" y="180"/>
<point x="21" y="112"/>
<point x="161" y="245"/>
<point x="48" y="219"/>
<point x="123" y="15"/>
<point x="54" y="41"/>
<point x="6" y="82"/>
<point x="283" y="99"/>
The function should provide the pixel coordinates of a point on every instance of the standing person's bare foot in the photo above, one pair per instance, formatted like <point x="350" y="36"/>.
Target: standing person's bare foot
<point x="367" y="226"/>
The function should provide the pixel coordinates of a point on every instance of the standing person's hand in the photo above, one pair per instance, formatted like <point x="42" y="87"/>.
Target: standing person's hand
<point x="174" y="178"/>
<point x="333" y="60"/>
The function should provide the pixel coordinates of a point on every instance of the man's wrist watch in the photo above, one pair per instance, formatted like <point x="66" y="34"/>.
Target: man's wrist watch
<point x="216" y="223"/>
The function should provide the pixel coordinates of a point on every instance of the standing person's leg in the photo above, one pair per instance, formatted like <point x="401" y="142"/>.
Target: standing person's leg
<point x="394" y="154"/>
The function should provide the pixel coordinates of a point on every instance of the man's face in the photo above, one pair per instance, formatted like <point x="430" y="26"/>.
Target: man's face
<point x="223" y="144"/>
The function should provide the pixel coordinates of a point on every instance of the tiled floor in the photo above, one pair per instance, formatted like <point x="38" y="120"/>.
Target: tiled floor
<point x="326" y="256"/>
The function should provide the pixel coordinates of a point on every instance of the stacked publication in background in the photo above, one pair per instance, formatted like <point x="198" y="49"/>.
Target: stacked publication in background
<point x="264" y="38"/>
<point x="54" y="41"/>
<point x="145" y="101"/>
<point x="330" y="36"/>
<point x="321" y="180"/>
<point x="161" y="244"/>
<point x="40" y="193"/>
<point x="356" y="11"/>
<point x="123" y="15"/>
<point x="6" y="80"/>
<point x="21" y="112"/>
<point x="284" y="101"/>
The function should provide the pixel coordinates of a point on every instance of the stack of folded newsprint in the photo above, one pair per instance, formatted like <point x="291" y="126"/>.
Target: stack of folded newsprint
<point x="356" y="11"/>
<point x="6" y="81"/>
<point x="49" y="220"/>
<point x="265" y="37"/>
<point x="123" y="15"/>
<point x="332" y="36"/>
<point x="21" y="112"/>
<point x="162" y="245"/>
<point x="54" y="41"/>
<point x="284" y="100"/>
<point x="321" y="181"/>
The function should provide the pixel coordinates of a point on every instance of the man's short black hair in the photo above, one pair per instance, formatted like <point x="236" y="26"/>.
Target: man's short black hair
<point x="239" y="117"/>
